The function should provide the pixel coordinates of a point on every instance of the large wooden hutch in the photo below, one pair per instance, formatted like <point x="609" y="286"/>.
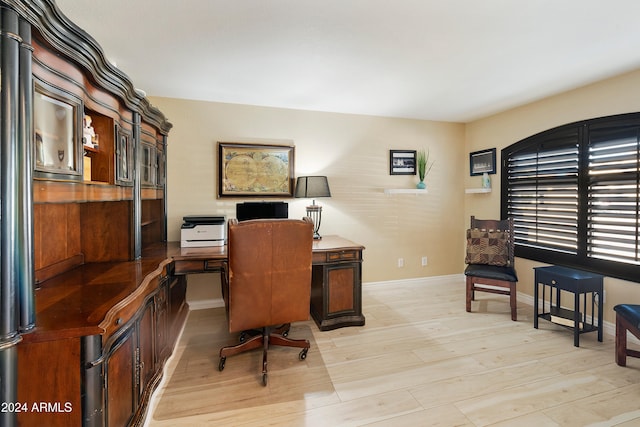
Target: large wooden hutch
<point x="90" y="306"/>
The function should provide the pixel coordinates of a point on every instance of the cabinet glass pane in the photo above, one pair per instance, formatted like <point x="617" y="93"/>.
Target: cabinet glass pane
<point x="123" y="157"/>
<point x="55" y="134"/>
<point x="148" y="172"/>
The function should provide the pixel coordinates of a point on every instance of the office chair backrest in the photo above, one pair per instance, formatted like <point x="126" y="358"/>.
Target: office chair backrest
<point x="269" y="272"/>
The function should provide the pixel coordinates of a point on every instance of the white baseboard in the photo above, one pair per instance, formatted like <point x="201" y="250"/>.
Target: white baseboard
<point x="207" y="303"/>
<point x="418" y="280"/>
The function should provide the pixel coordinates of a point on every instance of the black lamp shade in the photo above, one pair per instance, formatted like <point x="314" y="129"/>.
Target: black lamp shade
<point x="312" y="186"/>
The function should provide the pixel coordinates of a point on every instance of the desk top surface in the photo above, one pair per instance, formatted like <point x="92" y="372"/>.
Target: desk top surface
<point x="327" y="243"/>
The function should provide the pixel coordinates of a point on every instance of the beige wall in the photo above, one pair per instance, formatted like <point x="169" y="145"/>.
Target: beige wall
<point x="613" y="96"/>
<point x="353" y="151"/>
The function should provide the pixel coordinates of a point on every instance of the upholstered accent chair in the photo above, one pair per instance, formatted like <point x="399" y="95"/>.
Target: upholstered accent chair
<point x="627" y="319"/>
<point x="268" y="284"/>
<point x="490" y="259"/>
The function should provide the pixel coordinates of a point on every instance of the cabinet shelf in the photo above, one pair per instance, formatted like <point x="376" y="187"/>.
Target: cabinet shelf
<point x="405" y="191"/>
<point x="477" y="190"/>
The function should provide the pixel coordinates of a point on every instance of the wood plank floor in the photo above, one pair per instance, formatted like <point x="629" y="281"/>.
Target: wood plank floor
<point x="421" y="360"/>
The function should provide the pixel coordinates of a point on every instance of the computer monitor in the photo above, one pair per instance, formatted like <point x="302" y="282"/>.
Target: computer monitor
<point x="259" y="210"/>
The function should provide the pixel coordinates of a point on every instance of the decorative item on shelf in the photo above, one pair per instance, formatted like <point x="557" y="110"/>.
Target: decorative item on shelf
<point x="89" y="137"/>
<point x="423" y="168"/>
<point x="311" y="187"/>
<point x="486" y="181"/>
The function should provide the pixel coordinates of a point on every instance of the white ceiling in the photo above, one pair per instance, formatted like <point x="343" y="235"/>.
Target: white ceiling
<point x="449" y="60"/>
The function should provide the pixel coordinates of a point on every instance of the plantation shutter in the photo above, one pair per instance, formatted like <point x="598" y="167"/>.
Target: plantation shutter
<point x="613" y="221"/>
<point x="542" y="194"/>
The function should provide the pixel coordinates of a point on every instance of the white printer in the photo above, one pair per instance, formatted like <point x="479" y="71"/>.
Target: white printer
<point x="200" y="231"/>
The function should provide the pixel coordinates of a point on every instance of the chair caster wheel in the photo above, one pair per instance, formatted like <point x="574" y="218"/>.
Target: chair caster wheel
<point x="221" y="364"/>
<point x="264" y="379"/>
<point x="303" y="354"/>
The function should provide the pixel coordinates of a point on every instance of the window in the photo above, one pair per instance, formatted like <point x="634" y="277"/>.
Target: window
<point x="574" y="195"/>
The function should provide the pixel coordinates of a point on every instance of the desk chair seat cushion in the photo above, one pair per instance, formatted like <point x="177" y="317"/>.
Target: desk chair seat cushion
<point x="507" y="274"/>
<point x="630" y="312"/>
<point x="487" y="247"/>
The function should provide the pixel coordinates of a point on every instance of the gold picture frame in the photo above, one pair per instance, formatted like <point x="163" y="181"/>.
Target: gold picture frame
<point x="255" y="170"/>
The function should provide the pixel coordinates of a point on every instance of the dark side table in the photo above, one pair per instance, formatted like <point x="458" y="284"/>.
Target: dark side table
<point x="583" y="285"/>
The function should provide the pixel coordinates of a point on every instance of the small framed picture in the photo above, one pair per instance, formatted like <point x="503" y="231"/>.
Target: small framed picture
<point x="402" y="162"/>
<point x="482" y="161"/>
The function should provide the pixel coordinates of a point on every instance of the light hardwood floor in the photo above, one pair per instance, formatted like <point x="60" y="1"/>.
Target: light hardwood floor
<point x="421" y="360"/>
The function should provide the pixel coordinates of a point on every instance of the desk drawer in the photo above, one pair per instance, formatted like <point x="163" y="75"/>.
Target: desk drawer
<point x="197" y="266"/>
<point x="337" y="256"/>
<point x="343" y="255"/>
<point x="213" y="265"/>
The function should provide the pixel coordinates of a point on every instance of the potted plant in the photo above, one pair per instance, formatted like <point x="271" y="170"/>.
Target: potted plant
<point x="423" y="167"/>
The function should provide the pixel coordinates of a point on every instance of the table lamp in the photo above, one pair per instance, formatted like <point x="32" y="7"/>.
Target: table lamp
<point x="311" y="187"/>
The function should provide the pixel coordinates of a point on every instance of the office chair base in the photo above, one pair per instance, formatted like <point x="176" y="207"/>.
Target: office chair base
<point x="264" y="340"/>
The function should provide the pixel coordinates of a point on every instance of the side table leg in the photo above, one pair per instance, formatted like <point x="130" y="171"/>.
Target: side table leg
<point x="535" y="304"/>
<point x="600" y="310"/>
<point x="576" y="319"/>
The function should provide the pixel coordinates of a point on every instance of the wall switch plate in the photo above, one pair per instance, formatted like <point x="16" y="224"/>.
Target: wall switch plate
<point x="400" y="262"/>
<point x="424" y="261"/>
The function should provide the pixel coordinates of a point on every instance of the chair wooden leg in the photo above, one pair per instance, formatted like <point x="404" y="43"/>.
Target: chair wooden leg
<point x="513" y="302"/>
<point x="275" y="339"/>
<point x="250" y="344"/>
<point x="621" y="342"/>
<point x="265" y="348"/>
<point x="469" y="292"/>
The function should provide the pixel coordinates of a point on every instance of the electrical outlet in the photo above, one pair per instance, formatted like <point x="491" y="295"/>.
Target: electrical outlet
<point x="400" y="262"/>
<point x="424" y="261"/>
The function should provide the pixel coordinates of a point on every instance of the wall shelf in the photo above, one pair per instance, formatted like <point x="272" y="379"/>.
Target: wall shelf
<point x="477" y="190"/>
<point x="405" y="191"/>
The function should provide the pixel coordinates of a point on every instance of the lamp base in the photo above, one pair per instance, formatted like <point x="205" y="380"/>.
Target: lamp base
<point x="315" y="213"/>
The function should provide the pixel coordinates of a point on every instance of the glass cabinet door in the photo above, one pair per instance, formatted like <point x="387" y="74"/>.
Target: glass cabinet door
<point x="148" y="165"/>
<point x="56" y="122"/>
<point x="124" y="170"/>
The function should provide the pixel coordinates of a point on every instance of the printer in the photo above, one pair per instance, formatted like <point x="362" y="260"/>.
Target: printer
<point x="201" y="231"/>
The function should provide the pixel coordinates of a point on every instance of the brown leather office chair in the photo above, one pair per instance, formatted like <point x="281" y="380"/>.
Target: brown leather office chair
<point x="490" y="259"/>
<point x="268" y="283"/>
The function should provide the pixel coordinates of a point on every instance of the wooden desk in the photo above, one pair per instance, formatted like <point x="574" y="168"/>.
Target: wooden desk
<point x="336" y="283"/>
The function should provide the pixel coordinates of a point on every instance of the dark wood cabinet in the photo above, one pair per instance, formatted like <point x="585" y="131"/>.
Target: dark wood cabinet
<point x="336" y="283"/>
<point x="105" y="308"/>
<point x="107" y="366"/>
<point x="119" y="379"/>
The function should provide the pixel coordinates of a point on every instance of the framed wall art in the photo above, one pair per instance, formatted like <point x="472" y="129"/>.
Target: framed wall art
<point x="258" y="170"/>
<point x="402" y="162"/>
<point x="482" y="161"/>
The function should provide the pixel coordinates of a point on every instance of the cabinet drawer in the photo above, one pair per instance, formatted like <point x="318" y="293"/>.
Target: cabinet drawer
<point x="118" y="317"/>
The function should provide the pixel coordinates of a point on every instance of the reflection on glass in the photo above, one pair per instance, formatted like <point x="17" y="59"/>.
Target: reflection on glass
<point x="146" y="164"/>
<point x="54" y="126"/>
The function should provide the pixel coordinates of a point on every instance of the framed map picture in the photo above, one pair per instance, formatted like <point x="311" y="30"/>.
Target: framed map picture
<point x="255" y="170"/>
